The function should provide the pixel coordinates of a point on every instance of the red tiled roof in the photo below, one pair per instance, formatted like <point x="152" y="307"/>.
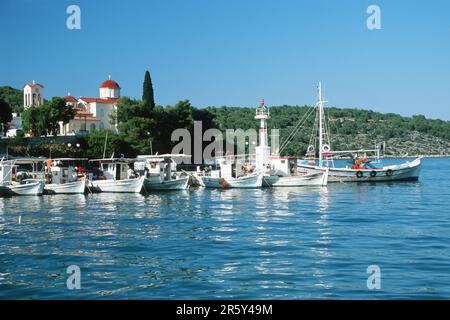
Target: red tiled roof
<point x="84" y="112"/>
<point x="70" y="99"/>
<point x="33" y="84"/>
<point x="86" y="118"/>
<point x="110" y="84"/>
<point x="100" y="100"/>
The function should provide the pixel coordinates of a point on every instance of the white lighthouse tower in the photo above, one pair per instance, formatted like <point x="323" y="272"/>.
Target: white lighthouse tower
<point x="262" y="151"/>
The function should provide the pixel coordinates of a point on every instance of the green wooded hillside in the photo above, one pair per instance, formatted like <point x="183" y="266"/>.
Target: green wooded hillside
<point x="141" y="125"/>
<point x="12" y="96"/>
<point x="349" y="129"/>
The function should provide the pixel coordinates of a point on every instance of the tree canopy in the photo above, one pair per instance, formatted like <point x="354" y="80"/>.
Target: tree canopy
<point x="44" y="120"/>
<point x="5" y="114"/>
<point x="12" y="96"/>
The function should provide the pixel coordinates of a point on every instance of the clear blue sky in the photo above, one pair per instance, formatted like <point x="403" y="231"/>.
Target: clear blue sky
<point x="231" y="52"/>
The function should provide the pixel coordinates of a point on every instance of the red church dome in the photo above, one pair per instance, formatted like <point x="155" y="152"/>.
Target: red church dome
<point x="111" y="84"/>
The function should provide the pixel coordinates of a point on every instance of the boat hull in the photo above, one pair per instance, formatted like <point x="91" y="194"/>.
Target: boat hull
<point x="118" y="186"/>
<point x="408" y="171"/>
<point x="35" y="188"/>
<point x="318" y="179"/>
<point x="5" y="191"/>
<point x="196" y="180"/>
<point x="66" y="188"/>
<point x="175" y="184"/>
<point x="252" y="181"/>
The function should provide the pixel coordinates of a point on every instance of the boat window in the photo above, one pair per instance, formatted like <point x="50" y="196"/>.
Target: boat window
<point x="283" y="161"/>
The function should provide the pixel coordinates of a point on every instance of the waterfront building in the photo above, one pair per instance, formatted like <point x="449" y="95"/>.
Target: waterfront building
<point x="94" y="113"/>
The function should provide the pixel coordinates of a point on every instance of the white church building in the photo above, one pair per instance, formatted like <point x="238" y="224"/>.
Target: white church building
<point x="93" y="113"/>
<point x="33" y="94"/>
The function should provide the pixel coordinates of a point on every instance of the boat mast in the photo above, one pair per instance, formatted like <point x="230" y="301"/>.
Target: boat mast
<point x="320" y="122"/>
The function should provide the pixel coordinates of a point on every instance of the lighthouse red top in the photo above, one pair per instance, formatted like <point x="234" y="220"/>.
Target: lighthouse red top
<point x="111" y="84"/>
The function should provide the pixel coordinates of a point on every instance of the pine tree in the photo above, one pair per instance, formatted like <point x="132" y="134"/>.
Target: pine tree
<point x="147" y="95"/>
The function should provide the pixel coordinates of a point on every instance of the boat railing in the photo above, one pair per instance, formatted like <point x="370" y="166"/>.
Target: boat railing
<point x="262" y="112"/>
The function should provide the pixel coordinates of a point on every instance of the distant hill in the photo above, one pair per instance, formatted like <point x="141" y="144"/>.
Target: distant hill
<point x="349" y="129"/>
<point x="14" y="97"/>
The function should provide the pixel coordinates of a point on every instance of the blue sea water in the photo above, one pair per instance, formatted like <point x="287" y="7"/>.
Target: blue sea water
<point x="285" y="243"/>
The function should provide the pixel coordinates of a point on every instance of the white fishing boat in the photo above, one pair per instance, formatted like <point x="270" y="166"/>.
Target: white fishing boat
<point x="230" y="174"/>
<point x="284" y="174"/>
<point x="11" y="185"/>
<point x="366" y="165"/>
<point x="281" y="171"/>
<point x="160" y="172"/>
<point x="27" y="187"/>
<point x="115" y="175"/>
<point x="63" y="178"/>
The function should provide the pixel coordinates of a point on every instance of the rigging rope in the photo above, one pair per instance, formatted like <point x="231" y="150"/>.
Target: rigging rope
<point x="296" y="129"/>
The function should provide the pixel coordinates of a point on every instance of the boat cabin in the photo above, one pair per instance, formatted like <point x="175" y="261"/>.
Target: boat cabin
<point x="63" y="170"/>
<point x="231" y="168"/>
<point x="162" y="167"/>
<point x="8" y="172"/>
<point x="31" y="167"/>
<point x="283" y="166"/>
<point x="112" y="169"/>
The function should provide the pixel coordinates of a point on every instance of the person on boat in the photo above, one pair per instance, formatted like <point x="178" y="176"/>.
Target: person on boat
<point x="130" y="173"/>
<point x="96" y="173"/>
<point x="48" y="165"/>
<point x="359" y="163"/>
<point x="74" y="173"/>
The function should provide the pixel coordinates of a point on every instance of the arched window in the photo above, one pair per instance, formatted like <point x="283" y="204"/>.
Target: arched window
<point x="34" y="99"/>
<point x="92" y="127"/>
<point x="102" y="126"/>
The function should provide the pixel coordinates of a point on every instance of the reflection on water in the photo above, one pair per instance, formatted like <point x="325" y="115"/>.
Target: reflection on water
<point x="284" y="243"/>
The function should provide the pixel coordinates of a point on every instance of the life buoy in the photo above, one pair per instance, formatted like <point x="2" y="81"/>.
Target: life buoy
<point x="310" y="149"/>
<point x="389" y="172"/>
<point x="326" y="148"/>
<point x="373" y="174"/>
<point x="359" y="174"/>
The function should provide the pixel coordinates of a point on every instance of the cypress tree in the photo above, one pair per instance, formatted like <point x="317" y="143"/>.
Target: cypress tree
<point x="5" y="115"/>
<point x="147" y="94"/>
